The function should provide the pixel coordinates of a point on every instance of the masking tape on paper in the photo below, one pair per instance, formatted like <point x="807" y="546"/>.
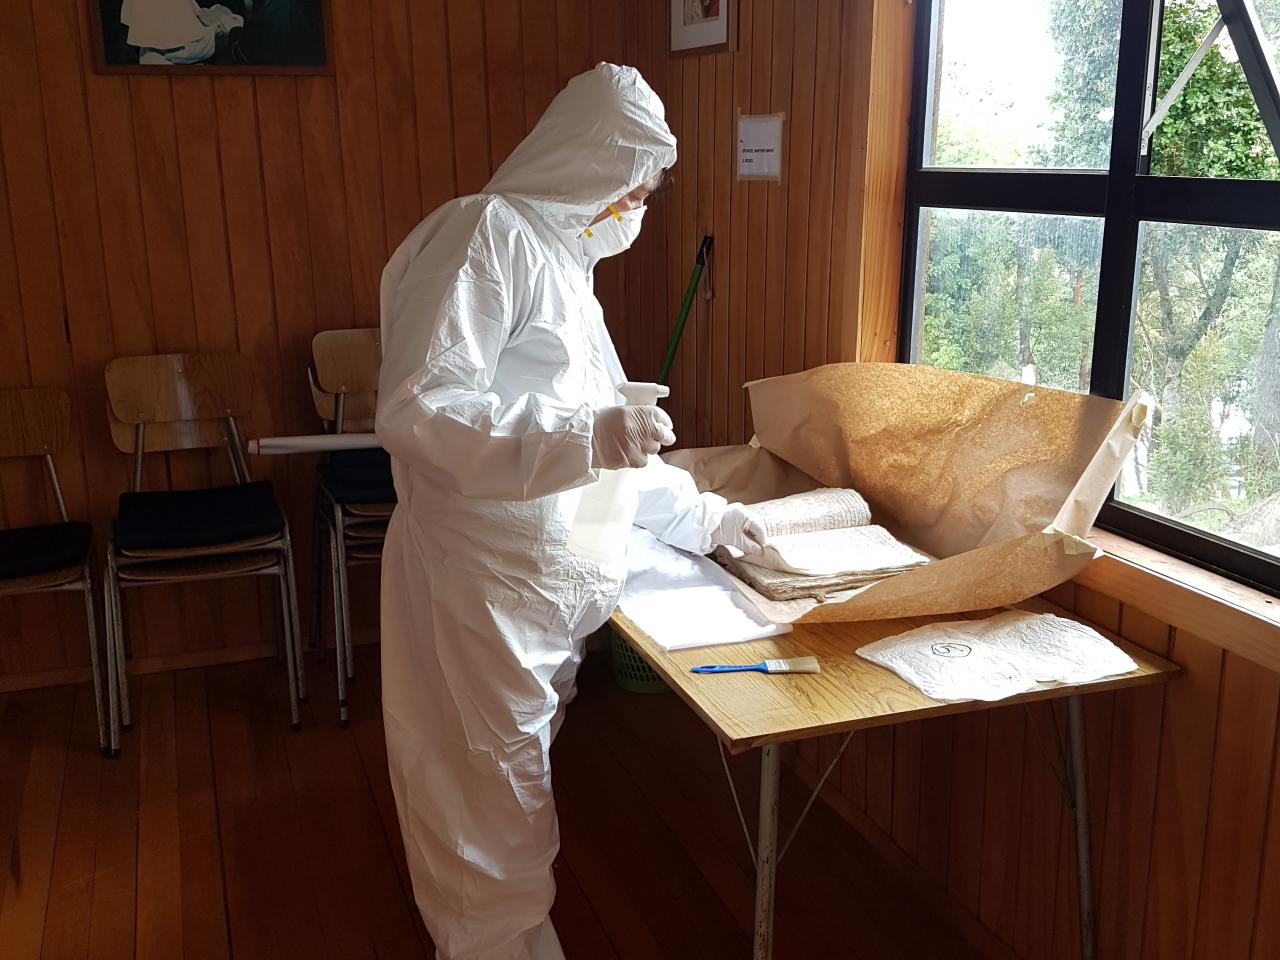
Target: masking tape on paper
<point x="1071" y="545"/>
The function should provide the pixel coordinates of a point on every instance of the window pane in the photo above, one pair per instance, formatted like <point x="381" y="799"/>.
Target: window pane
<point x="1213" y="128"/>
<point x="1206" y="344"/>
<point x="1024" y="83"/>
<point x="1010" y="295"/>
<point x="1269" y="15"/>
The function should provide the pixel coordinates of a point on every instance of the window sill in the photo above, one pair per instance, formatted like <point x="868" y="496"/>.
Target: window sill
<point x="1231" y="615"/>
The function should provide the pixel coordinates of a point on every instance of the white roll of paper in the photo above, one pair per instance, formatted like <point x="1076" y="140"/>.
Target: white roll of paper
<point x="320" y="443"/>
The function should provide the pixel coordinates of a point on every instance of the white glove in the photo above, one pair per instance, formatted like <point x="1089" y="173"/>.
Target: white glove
<point x="740" y="528"/>
<point x="626" y="436"/>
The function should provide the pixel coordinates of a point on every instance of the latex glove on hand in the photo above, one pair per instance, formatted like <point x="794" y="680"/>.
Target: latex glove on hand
<point x="627" y="436"/>
<point x="740" y="529"/>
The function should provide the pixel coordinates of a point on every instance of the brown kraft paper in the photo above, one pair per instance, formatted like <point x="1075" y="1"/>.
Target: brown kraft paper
<point x="999" y="481"/>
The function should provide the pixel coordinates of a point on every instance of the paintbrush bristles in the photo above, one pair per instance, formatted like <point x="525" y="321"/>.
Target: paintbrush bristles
<point x="794" y="665"/>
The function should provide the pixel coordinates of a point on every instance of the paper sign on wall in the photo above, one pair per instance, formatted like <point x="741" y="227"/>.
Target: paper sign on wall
<point x="760" y="147"/>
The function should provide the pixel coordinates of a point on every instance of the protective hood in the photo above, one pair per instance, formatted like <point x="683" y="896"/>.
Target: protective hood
<point x="602" y="136"/>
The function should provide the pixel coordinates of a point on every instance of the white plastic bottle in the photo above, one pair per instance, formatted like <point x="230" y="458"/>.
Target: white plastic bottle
<point x="608" y="506"/>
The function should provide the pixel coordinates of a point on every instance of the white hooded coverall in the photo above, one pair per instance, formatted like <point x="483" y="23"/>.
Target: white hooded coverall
<point x="495" y="357"/>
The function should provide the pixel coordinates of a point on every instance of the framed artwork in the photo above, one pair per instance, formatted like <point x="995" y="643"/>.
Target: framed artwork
<point x="703" y="26"/>
<point x="204" y="36"/>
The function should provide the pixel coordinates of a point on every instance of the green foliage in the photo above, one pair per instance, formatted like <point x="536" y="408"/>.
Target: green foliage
<point x="1087" y="35"/>
<point x="1213" y="129"/>
<point x="1187" y="463"/>
<point x="988" y="271"/>
<point x="1258" y="474"/>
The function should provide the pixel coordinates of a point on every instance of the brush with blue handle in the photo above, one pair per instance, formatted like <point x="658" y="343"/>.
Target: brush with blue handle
<point x="794" y="665"/>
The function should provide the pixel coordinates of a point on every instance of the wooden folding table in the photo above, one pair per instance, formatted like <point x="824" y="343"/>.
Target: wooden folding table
<point x="747" y="711"/>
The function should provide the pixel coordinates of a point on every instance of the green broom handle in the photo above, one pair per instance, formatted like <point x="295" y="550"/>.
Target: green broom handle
<point x="704" y="254"/>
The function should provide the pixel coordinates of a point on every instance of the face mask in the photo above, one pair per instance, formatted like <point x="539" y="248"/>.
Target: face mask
<point x="612" y="235"/>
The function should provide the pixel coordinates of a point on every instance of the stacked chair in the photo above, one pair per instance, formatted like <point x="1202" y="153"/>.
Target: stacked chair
<point x="51" y="557"/>
<point x="356" y="492"/>
<point x="187" y="402"/>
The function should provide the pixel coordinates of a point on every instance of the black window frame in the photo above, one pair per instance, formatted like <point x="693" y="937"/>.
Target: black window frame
<point x="1123" y="196"/>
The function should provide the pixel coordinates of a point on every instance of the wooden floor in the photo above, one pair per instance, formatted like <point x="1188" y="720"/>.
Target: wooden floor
<point x="218" y="834"/>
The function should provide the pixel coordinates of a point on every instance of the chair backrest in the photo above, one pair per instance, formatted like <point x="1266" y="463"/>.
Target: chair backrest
<point x="190" y="400"/>
<point x="179" y="387"/>
<point x="358" y="409"/>
<point x="161" y="437"/>
<point x="34" y="421"/>
<point x="347" y="361"/>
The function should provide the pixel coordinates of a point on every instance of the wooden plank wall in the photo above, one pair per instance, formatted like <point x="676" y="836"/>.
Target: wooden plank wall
<point x="1185" y="805"/>
<point x="142" y="214"/>
<point x="805" y="271"/>
<point x="148" y="214"/>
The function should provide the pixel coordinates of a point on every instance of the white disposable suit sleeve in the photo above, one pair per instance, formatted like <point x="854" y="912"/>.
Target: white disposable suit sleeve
<point x="672" y="509"/>
<point x="439" y="415"/>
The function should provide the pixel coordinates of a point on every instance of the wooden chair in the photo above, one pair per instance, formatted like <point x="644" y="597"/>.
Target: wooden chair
<point x="184" y="402"/>
<point x="50" y="557"/>
<point x="356" y="491"/>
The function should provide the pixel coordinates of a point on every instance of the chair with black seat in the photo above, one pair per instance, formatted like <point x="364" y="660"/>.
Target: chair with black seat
<point x="49" y="557"/>
<point x="356" y="492"/>
<point x="187" y="402"/>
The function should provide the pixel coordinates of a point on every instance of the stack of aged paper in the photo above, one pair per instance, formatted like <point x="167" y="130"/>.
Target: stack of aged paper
<point x="818" y="543"/>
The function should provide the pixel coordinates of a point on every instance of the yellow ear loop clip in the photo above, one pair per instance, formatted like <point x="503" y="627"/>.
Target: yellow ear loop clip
<point x="586" y="231"/>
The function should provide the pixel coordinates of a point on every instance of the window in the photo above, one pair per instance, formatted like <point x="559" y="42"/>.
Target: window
<point x="1269" y="21"/>
<point x="1206" y="345"/>
<point x="1011" y="295"/>
<point x="1094" y="204"/>
<point x="1212" y="127"/>
<point x="1023" y="83"/>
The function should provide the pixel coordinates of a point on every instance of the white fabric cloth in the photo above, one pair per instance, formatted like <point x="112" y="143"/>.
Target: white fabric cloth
<point x="1001" y="656"/>
<point x="682" y="600"/>
<point x="495" y="358"/>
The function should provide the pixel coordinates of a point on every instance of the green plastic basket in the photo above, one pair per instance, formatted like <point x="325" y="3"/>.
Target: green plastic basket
<point x="631" y="672"/>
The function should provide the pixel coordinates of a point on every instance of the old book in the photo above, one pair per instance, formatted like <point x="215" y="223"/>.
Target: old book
<point x="818" y="543"/>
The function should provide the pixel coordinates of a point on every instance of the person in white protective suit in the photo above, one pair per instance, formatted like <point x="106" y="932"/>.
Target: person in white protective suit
<point x="497" y="403"/>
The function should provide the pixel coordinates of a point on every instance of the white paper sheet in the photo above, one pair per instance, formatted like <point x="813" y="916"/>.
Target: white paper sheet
<point x="684" y="601"/>
<point x="868" y="550"/>
<point x="760" y="147"/>
<point x="1001" y="656"/>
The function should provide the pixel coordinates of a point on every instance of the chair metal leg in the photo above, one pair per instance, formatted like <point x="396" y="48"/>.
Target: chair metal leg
<point x="339" y="647"/>
<point x="340" y="534"/>
<point x="294" y="619"/>
<point x="95" y="660"/>
<point x="109" y="589"/>
<point x="280" y="635"/>
<point x="317" y="587"/>
<point x="121" y="645"/>
<point x="124" y="633"/>
<point x="295" y="717"/>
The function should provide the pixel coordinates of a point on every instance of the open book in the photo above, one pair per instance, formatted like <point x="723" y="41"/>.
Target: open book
<point x="820" y="542"/>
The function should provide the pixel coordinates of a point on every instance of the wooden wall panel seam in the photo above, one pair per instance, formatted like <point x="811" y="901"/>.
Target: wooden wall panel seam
<point x="1270" y="824"/>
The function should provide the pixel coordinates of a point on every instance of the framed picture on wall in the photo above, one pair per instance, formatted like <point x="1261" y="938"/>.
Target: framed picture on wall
<point x="204" y="36"/>
<point x="703" y="26"/>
